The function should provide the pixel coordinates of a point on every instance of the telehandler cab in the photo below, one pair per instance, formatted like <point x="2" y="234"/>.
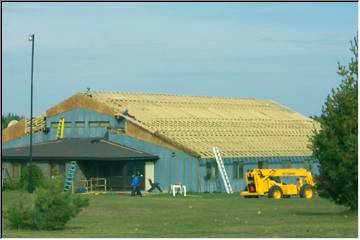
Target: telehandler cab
<point x="262" y="182"/>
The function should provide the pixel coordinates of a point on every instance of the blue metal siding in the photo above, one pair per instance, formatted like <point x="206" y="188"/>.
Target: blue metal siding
<point x="81" y="114"/>
<point x="216" y="185"/>
<point x="172" y="166"/>
<point x="77" y="114"/>
<point x="191" y="171"/>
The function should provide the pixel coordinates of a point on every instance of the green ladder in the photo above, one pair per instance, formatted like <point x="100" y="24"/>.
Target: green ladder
<point x="70" y="177"/>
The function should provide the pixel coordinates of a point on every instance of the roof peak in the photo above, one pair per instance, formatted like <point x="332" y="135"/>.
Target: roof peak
<point x="173" y="95"/>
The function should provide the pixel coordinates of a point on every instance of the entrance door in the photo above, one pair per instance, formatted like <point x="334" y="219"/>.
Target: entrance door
<point x="133" y="168"/>
<point x="118" y="174"/>
<point x="149" y="174"/>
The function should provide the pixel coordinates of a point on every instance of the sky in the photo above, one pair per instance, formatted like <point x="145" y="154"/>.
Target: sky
<point x="287" y="52"/>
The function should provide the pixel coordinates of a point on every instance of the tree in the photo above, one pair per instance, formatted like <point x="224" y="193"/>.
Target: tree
<point x="335" y="144"/>
<point x="49" y="209"/>
<point x="36" y="176"/>
<point x="6" y="119"/>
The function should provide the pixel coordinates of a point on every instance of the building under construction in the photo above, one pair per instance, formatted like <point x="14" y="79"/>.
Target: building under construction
<point x="167" y="138"/>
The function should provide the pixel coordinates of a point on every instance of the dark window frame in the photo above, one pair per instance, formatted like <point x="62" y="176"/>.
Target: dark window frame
<point x="16" y="170"/>
<point x="54" y="124"/>
<point x="77" y="124"/>
<point x="99" y="124"/>
<point x="212" y="171"/>
<point x="68" y="124"/>
<point x="238" y="170"/>
<point x="263" y="164"/>
<point x="308" y="165"/>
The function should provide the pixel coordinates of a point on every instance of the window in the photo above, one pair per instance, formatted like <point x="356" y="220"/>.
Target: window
<point x="262" y="164"/>
<point x="211" y="170"/>
<point x="286" y="163"/>
<point x="99" y="124"/>
<point x="67" y="124"/>
<point x="54" y="124"/>
<point x="93" y="124"/>
<point x="105" y="124"/>
<point x="54" y="169"/>
<point x="15" y="170"/>
<point x="238" y="170"/>
<point x="62" y="168"/>
<point x="80" y="124"/>
<point x="57" y="168"/>
<point x="308" y="165"/>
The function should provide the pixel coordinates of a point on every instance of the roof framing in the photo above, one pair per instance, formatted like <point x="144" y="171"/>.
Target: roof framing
<point x="193" y="124"/>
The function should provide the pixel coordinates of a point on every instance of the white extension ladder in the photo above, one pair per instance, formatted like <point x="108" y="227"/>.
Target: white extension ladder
<point x="222" y="169"/>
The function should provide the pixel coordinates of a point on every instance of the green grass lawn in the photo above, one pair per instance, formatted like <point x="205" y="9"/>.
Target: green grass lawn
<point x="201" y="215"/>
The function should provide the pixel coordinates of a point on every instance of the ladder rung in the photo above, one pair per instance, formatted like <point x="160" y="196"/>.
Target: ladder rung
<point x="222" y="170"/>
<point x="70" y="176"/>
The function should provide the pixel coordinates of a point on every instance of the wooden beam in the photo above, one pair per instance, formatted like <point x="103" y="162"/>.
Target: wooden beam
<point x="15" y="131"/>
<point x="80" y="100"/>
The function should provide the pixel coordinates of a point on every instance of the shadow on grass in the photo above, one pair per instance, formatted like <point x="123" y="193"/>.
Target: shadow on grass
<point x="70" y="228"/>
<point x="73" y="228"/>
<point x="344" y="213"/>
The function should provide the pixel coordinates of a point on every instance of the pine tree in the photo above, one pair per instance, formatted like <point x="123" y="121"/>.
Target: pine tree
<point x="336" y="145"/>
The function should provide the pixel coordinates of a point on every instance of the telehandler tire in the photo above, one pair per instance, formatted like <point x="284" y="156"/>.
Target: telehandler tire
<point x="307" y="191"/>
<point x="275" y="192"/>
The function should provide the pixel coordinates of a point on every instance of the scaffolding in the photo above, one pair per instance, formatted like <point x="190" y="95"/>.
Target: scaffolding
<point x="95" y="185"/>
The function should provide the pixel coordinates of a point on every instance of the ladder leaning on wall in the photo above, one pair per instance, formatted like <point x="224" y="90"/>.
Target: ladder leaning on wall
<point x="60" y="129"/>
<point x="69" y="179"/>
<point x="222" y="170"/>
<point x="70" y="175"/>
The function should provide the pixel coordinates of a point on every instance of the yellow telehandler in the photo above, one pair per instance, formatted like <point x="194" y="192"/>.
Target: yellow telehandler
<point x="268" y="182"/>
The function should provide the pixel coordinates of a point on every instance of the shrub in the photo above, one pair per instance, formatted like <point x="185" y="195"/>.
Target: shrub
<point x="37" y="177"/>
<point x="52" y="208"/>
<point x="56" y="183"/>
<point x="11" y="184"/>
<point x="20" y="214"/>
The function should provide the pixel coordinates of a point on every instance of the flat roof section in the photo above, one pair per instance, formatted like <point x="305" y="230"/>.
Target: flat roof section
<point x="77" y="149"/>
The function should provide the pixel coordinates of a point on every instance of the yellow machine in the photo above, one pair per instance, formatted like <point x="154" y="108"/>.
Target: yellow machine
<point x="262" y="182"/>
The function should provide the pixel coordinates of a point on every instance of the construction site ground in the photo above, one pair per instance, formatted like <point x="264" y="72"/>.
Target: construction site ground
<point x="200" y="215"/>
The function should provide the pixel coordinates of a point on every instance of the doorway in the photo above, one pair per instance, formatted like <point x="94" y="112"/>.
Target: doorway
<point x="118" y="174"/>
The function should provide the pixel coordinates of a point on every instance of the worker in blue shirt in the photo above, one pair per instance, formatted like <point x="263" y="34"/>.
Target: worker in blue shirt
<point x="135" y="185"/>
